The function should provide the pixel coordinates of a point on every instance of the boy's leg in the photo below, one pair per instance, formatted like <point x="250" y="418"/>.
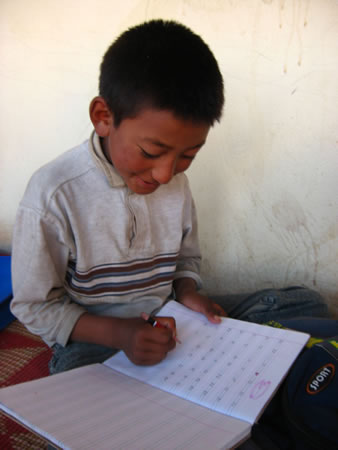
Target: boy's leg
<point x="77" y="354"/>
<point x="274" y="304"/>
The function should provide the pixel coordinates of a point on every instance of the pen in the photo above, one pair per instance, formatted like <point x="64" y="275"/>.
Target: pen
<point x="155" y="323"/>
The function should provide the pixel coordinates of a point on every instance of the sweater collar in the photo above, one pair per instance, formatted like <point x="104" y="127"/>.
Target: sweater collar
<point x="113" y="177"/>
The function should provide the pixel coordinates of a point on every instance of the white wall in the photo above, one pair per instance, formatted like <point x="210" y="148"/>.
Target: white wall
<point x="266" y="182"/>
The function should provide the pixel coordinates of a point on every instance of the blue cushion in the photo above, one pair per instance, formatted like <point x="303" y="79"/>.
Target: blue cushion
<point x="5" y="291"/>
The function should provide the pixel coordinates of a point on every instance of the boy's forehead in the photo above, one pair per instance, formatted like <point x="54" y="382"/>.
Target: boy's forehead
<point x="164" y="120"/>
<point x="158" y="143"/>
<point x="162" y="128"/>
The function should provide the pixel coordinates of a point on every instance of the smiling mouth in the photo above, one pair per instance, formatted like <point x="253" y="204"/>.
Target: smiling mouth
<point x="148" y="183"/>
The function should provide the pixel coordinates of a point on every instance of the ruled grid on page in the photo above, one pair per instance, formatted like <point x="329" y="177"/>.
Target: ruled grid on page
<point x="95" y="407"/>
<point x="233" y="367"/>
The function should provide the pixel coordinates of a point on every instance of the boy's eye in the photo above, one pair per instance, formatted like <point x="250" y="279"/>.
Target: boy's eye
<point x="151" y="156"/>
<point x="148" y="155"/>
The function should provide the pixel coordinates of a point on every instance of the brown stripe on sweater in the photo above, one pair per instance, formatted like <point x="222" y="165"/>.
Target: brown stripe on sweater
<point x="111" y="270"/>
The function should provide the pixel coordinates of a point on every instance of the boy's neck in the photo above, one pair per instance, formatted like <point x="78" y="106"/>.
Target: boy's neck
<point x="105" y="150"/>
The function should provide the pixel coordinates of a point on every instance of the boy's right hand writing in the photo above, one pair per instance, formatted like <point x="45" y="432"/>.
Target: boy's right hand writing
<point x="147" y="345"/>
<point x="141" y="342"/>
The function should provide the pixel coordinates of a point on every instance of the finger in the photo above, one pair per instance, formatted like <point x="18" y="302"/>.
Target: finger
<point x="152" y="353"/>
<point x="214" y="318"/>
<point x="148" y="358"/>
<point x="151" y="360"/>
<point x="145" y="316"/>
<point x="161" y="322"/>
<point x="167" y="322"/>
<point x="170" y="323"/>
<point x="164" y="322"/>
<point x="219" y="310"/>
<point x="215" y="313"/>
<point x="158" y="336"/>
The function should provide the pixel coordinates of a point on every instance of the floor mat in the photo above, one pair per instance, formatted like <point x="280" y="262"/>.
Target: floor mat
<point x="23" y="357"/>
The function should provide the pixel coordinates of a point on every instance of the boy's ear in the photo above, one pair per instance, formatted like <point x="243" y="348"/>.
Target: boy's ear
<point x="101" y="116"/>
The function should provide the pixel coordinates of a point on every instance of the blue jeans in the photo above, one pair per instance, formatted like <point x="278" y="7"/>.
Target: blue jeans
<point x="288" y="306"/>
<point x="77" y="354"/>
<point x="274" y="304"/>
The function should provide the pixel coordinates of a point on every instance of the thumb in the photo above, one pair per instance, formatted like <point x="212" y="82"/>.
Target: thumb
<point x="145" y="316"/>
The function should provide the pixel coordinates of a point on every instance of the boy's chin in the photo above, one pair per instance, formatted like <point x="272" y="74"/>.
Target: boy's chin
<point x="143" y="191"/>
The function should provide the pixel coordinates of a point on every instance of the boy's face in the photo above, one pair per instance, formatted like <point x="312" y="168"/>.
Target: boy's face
<point x="151" y="148"/>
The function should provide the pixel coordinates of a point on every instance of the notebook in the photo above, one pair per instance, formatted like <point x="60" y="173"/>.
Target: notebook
<point x="207" y="393"/>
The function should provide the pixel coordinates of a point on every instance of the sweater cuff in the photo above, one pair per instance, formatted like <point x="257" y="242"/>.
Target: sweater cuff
<point x="68" y="324"/>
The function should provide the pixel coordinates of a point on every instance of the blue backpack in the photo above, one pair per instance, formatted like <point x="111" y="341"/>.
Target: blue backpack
<point x="304" y="413"/>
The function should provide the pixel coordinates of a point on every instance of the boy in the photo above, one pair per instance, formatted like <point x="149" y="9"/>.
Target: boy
<point x="107" y="233"/>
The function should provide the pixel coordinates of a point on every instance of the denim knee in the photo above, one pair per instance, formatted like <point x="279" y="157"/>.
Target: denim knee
<point x="277" y="304"/>
<point x="77" y="354"/>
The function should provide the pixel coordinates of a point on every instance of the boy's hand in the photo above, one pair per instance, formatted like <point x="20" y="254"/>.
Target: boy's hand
<point x="141" y="342"/>
<point x="147" y="345"/>
<point x="203" y="304"/>
<point x="187" y="295"/>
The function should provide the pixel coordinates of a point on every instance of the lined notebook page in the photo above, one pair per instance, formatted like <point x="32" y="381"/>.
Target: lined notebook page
<point x="95" y="407"/>
<point x="233" y="367"/>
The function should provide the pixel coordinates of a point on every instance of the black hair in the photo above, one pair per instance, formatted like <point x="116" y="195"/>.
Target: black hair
<point x="164" y="65"/>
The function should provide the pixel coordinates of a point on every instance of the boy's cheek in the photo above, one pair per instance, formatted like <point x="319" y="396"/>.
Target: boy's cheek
<point x="183" y="165"/>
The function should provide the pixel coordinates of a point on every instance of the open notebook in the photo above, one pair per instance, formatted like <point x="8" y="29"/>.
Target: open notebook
<point x="207" y="393"/>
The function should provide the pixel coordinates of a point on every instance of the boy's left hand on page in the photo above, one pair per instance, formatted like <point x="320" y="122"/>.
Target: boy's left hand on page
<point x="187" y="294"/>
<point x="201" y="303"/>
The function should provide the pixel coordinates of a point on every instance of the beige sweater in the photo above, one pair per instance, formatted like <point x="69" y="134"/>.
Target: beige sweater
<point x="84" y="242"/>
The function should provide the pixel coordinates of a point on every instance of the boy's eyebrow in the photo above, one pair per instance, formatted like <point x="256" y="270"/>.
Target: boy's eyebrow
<point x="169" y="147"/>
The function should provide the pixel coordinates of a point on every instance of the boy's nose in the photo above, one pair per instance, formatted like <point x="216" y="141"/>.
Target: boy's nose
<point x="164" y="171"/>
